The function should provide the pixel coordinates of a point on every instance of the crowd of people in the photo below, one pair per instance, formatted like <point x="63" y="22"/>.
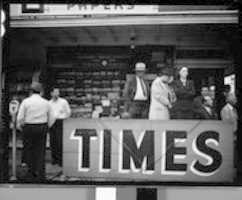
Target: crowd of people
<point x="167" y="98"/>
<point x="173" y="98"/>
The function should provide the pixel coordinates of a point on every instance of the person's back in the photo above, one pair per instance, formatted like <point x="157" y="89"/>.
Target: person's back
<point x="34" y="117"/>
<point x="36" y="109"/>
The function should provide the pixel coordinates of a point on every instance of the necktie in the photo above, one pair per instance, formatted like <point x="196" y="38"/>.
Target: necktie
<point x="143" y="87"/>
<point x="209" y="111"/>
<point x="169" y="96"/>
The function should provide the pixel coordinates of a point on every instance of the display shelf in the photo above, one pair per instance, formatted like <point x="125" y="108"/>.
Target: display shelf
<point x="85" y="88"/>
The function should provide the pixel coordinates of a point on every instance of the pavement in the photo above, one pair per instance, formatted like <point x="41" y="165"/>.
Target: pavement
<point x="53" y="172"/>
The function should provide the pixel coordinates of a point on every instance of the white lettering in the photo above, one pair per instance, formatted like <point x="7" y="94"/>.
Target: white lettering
<point x="163" y="157"/>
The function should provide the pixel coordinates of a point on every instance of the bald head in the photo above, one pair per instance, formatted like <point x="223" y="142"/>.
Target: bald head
<point x="36" y="87"/>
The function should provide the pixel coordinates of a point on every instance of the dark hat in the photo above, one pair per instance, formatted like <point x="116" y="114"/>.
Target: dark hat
<point x="166" y="71"/>
<point x="36" y="87"/>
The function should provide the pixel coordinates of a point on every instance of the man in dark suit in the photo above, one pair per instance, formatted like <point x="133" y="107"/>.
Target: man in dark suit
<point x="206" y="110"/>
<point x="198" y="100"/>
<point x="136" y="95"/>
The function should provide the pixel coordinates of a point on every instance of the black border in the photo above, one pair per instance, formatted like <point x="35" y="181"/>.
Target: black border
<point x="233" y="4"/>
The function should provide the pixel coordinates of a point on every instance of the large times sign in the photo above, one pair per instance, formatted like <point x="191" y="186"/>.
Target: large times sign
<point x="143" y="150"/>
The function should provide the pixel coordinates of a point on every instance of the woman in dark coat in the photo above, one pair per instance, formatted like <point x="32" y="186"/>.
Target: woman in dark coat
<point x="184" y="90"/>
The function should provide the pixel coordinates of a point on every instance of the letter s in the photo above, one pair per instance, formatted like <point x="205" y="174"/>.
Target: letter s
<point x="213" y="156"/>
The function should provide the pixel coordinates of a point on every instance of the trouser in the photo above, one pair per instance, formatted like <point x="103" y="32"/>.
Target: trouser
<point x="139" y="109"/>
<point x="56" y="142"/>
<point x="34" y="142"/>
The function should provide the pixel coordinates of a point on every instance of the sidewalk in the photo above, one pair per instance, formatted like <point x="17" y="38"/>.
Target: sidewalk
<point x="53" y="172"/>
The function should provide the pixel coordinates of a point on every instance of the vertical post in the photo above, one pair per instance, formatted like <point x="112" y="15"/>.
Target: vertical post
<point x="13" y="109"/>
<point x="4" y="117"/>
<point x="13" y="177"/>
<point x="236" y="47"/>
<point x="219" y="82"/>
<point x="1" y="124"/>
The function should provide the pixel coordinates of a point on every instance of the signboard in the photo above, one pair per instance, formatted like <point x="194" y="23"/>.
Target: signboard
<point x="143" y="150"/>
<point x="81" y="9"/>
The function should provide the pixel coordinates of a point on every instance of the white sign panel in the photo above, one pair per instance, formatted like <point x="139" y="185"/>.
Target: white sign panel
<point x="85" y="9"/>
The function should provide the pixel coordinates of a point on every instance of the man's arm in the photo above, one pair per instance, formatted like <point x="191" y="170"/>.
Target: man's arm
<point x="183" y="92"/>
<point x="51" y="115"/>
<point x="67" y="109"/>
<point x="191" y="91"/>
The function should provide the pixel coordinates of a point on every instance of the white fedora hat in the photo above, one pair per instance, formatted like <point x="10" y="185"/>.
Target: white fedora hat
<point x="140" y="66"/>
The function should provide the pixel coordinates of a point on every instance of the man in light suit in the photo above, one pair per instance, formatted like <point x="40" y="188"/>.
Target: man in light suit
<point x="136" y="94"/>
<point x="160" y="97"/>
<point x="229" y="113"/>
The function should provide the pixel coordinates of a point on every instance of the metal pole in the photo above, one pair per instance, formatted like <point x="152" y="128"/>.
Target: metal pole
<point x="13" y="177"/>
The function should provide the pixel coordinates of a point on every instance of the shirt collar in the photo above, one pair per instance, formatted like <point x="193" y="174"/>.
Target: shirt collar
<point x="55" y="100"/>
<point x="35" y="95"/>
<point x="137" y="77"/>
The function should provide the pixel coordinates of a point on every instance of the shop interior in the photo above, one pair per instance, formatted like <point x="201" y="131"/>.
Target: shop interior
<point x="91" y="64"/>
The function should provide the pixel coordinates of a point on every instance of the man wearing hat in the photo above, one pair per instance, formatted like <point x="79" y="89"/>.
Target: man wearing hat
<point x="160" y="96"/>
<point x="34" y="117"/>
<point x="136" y="94"/>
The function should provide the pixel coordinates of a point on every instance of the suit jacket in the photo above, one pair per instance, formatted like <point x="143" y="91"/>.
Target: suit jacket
<point x="186" y="92"/>
<point x="159" y="101"/>
<point x="202" y="113"/>
<point x="197" y="103"/>
<point x="184" y="102"/>
<point x="229" y="115"/>
<point x="130" y="91"/>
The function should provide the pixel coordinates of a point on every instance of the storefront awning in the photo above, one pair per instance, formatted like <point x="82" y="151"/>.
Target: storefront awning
<point x="171" y="17"/>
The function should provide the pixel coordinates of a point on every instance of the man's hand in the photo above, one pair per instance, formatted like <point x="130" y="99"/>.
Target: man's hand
<point x="19" y="127"/>
<point x="169" y="106"/>
<point x="11" y="125"/>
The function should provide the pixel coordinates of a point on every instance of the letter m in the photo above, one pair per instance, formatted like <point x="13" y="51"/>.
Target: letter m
<point x="138" y="153"/>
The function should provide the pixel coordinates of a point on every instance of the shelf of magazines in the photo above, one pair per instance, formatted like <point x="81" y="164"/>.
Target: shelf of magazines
<point x="88" y="91"/>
